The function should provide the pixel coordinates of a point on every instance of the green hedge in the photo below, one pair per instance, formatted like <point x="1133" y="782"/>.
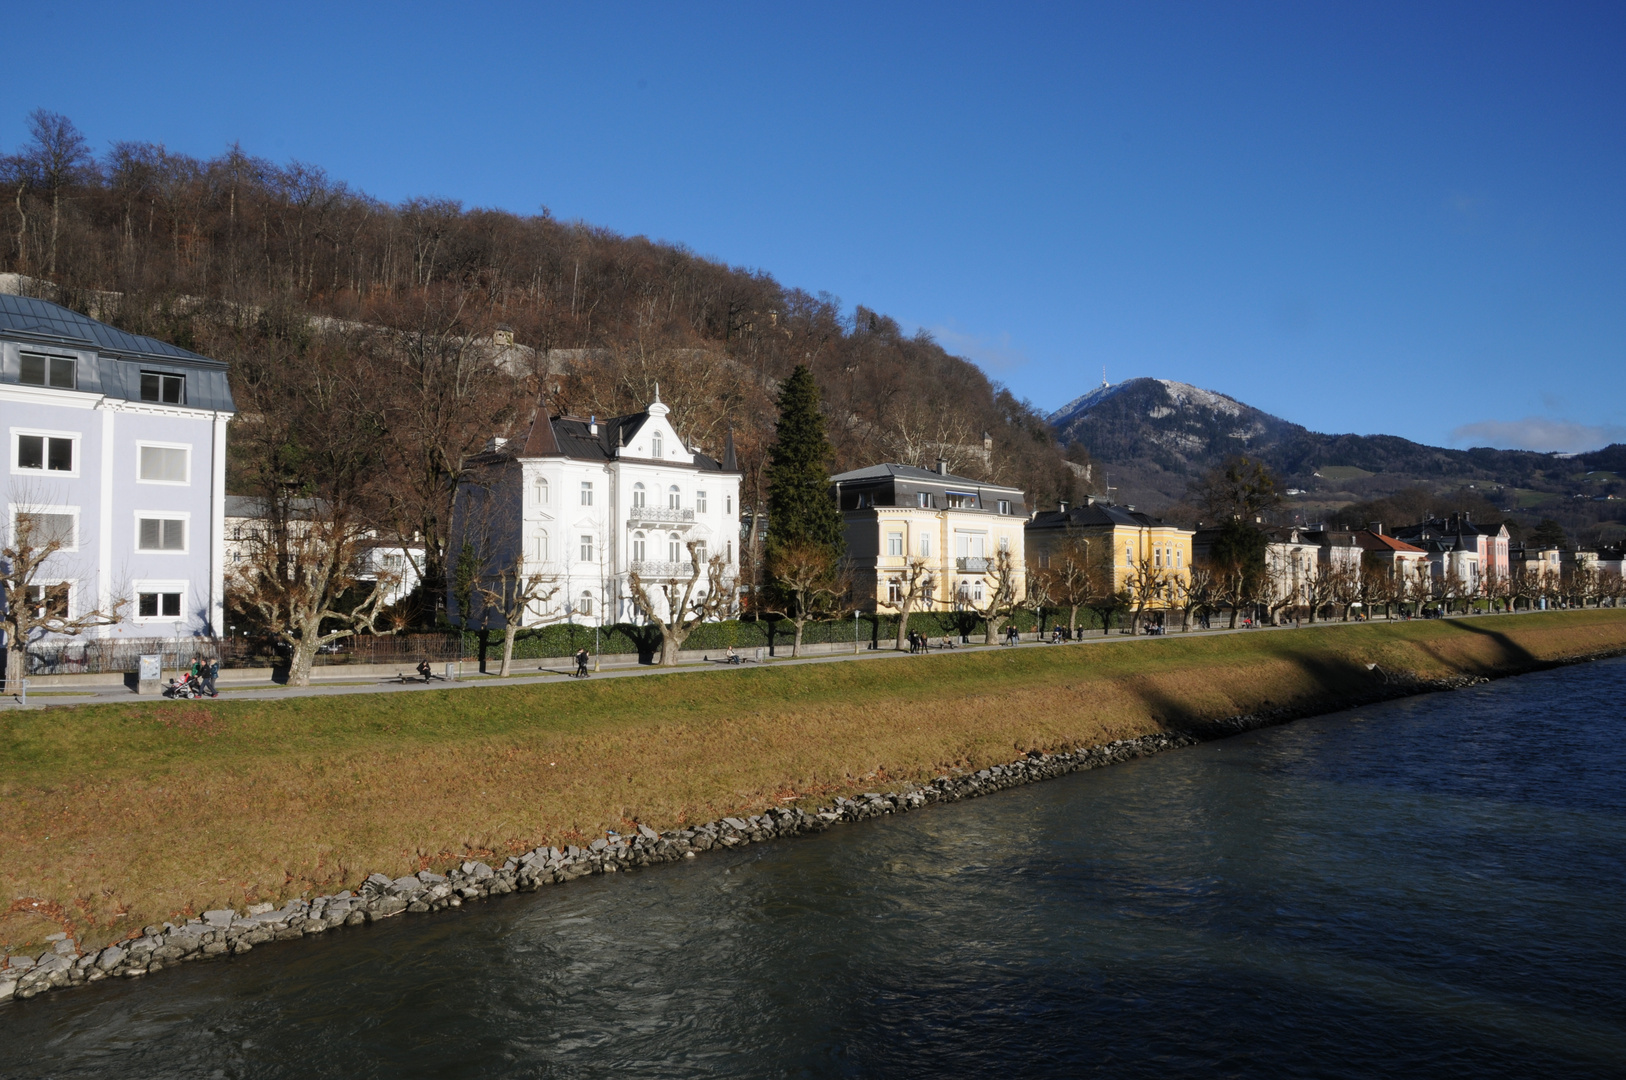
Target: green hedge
<point x="563" y="639"/>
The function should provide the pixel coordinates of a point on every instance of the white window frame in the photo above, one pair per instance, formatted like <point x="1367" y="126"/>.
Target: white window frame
<point x="140" y="444"/>
<point x="728" y="503"/>
<point x="183" y="516"/>
<point x="30" y="508"/>
<point x="674" y="548"/>
<point x="584" y="548"/>
<point x="700" y="500"/>
<point x="657" y="445"/>
<point x="894" y="544"/>
<point x="46" y="473"/>
<point x="925" y="545"/>
<point x="1004" y="506"/>
<point x="73" y="591"/>
<point x="587" y="493"/>
<point x="674" y="497"/>
<point x="639" y="496"/>
<point x="542" y="492"/>
<point x="639" y="547"/>
<point x="540" y="544"/>
<point x="160" y="586"/>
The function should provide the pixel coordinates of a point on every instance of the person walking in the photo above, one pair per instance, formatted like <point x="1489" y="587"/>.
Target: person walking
<point x="211" y="671"/>
<point x="581" y="662"/>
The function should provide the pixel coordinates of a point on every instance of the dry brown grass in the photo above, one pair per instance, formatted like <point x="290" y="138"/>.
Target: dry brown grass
<point x="116" y="816"/>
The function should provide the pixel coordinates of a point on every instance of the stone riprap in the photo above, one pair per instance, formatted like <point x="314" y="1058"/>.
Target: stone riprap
<point x="227" y="932"/>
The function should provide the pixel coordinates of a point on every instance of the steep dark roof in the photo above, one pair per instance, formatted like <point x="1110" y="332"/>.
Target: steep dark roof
<point x="573" y="437"/>
<point x="1096" y="515"/>
<point x="43" y="320"/>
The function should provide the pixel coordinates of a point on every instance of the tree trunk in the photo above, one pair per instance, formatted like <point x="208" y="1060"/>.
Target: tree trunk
<point x="508" y="647"/>
<point x="903" y="623"/>
<point x="16" y="665"/>
<point x="671" y="644"/>
<point x="992" y="625"/>
<point x="1072" y="621"/>
<point x="796" y="642"/>
<point x="303" y="659"/>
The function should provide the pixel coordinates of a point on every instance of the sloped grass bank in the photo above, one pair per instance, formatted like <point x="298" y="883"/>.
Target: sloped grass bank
<point x="115" y="816"/>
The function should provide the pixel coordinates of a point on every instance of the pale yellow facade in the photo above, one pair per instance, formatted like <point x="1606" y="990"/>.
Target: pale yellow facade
<point x="957" y="548"/>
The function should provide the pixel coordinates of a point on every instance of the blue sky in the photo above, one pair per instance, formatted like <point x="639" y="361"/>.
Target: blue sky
<point x="1400" y="218"/>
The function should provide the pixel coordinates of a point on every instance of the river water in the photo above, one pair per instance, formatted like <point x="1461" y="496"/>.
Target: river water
<point x="1427" y="888"/>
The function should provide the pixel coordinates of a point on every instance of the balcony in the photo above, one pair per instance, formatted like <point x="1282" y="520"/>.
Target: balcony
<point x="972" y="565"/>
<point x="643" y="516"/>
<point x="650" y="570"/>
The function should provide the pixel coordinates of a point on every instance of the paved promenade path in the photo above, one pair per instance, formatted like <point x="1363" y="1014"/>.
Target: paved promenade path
<point x="557" y="669"/>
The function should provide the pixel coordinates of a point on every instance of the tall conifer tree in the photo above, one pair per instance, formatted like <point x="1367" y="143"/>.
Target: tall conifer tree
<point x="800" y="507"/>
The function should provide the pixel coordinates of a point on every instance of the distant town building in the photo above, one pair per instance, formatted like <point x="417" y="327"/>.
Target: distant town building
<point x="1130" y="541"/>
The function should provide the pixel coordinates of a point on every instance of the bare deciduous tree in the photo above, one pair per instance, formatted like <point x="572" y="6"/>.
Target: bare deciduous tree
<point x="678" y="602"/>
<point x="1000" y="597"/>
<point x="37" y="601"/>
<point x="808" y="584"/>
<point x="518" y="598"/>
<point x="906" y="588"/>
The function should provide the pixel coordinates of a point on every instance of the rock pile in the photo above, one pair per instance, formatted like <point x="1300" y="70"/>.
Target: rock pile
<point x="224" y="932"/>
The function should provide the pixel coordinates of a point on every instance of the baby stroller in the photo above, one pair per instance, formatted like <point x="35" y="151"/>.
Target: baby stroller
<point x="185" y="687"/>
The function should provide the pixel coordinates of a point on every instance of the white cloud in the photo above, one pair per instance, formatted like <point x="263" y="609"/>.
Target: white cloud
<point x="1539" y="433"/>
<point x="994" y="354"/>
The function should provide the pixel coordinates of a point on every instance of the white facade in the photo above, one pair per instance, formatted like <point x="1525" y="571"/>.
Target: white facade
<point x="120" y="442"/>
<point x="585" y="502"/>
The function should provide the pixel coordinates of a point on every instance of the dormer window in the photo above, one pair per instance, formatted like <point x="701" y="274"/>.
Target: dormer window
<point x="57" y="372"/>
<point x="165" y="389"/>
<point x="657" y="445"/>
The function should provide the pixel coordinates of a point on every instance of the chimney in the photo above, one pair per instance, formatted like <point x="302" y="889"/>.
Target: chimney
<point x="987" y="443"/>
<point x="1375" y="526"/>
<point x="1062" y="506"/>
<point x="942" y="466"/>
<point x="592" y="425"/>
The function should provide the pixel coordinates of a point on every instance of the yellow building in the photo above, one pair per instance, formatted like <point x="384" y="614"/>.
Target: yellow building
<point x="1142" y="552"/>
<point x="904" y="521"/>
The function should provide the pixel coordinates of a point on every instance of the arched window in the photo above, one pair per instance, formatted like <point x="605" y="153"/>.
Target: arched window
<point x="637" y="495"/>
<point x="585" y="604"/>
<point x="541" y="492"/>
<point x="674" y="548"/>
<point x="657" y="445"/>
<point x="674" y="497"/>
<point x="541" y="546"/>
<point x="637" y="547"/>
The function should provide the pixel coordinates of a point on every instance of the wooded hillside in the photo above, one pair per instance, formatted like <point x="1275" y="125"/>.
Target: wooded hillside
<point x="283" y="271"/>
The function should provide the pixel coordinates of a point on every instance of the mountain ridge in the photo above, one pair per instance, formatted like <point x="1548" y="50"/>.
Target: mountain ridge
<point x="1153" y="436"/>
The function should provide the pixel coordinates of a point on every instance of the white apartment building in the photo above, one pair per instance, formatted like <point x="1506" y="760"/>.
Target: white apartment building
<point x="116" y="444"/>
<point x="584" y="502"/>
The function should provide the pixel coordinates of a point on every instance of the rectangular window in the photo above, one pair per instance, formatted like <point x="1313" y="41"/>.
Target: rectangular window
<point x="162" y="388"/>
<point x="53" y="371"/>
<point x="162" y="464"/>
<point x="923" y="500"/>
<point x="894" y="591"/>
<point x="160" y="534"/>
<point x="587" y="549"/>
<point x="1004" y="506"/>
<point x="1005" y="543"/>
<point x="925" y="545"/>
<point x="728" y="504"/>
<point x="587" y="493"/>
<point x="958" y="501"/>
<point x="894" y="543"/>
<point x="700" y="552"/>
<point x="49" y="452"/>
<point x="43" y="530"/>
<point x="700" y="502"/>
<point x="49" y="601"/>
<point x="158" y="605"/>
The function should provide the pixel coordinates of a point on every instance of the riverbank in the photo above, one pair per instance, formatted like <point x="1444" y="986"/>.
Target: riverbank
<point x="118" y="817"/>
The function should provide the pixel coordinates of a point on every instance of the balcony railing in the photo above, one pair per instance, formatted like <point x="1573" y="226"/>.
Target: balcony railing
<point x="659" y="515"/>
<point x="651" y="570"/>
<point x="972" y="565"/>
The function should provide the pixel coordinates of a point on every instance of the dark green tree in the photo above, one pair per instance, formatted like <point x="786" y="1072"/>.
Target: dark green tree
<point x="1548" y="534"/>
<point x="801" y="509"/>
<point x="1241" y="489"/>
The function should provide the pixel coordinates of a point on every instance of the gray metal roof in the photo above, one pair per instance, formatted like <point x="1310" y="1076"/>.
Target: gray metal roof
<point x="119" y="357"/>
<point x="43" y="319"/>
<point x="912" y="472"/>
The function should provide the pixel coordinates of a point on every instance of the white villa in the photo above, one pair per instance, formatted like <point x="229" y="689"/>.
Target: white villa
<point x="584" y="502"/>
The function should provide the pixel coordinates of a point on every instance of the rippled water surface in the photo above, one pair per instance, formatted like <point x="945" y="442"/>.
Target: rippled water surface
<point x="1427" y="888"/>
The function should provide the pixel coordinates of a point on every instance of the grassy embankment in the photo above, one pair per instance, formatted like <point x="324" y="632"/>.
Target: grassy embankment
<point x="114" y="816"/>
